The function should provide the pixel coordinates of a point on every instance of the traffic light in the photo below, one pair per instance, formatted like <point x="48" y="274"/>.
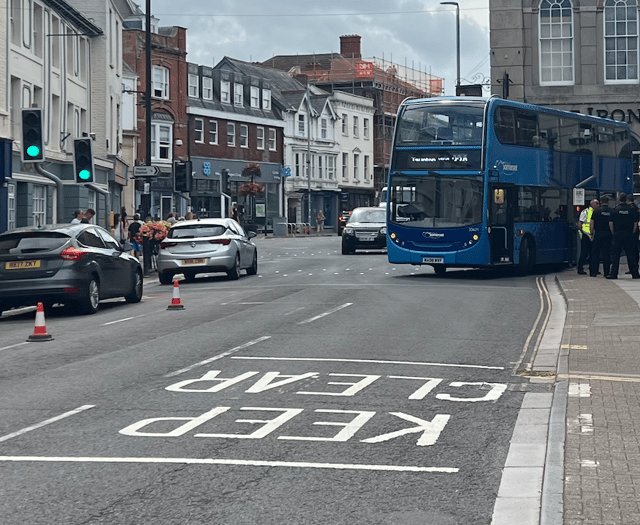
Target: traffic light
<point x="83" y="160"/>
<point x="182" y="176"/>
<point x="224" y="181"/>
<point x="32" y="135"/>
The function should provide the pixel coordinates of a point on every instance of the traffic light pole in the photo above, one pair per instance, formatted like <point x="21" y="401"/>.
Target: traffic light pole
<point x="59" y="191"/>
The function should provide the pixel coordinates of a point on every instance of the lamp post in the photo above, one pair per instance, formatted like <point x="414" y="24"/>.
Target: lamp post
<point x="457" y="40"/>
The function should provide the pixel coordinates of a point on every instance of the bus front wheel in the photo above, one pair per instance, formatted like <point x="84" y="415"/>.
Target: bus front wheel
<point x="439" y="269"/>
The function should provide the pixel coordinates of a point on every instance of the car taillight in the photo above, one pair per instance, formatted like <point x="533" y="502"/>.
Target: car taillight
<point x="164" y="245"/>
<point x="72" y="254"/>
<point x="220" y="241"/>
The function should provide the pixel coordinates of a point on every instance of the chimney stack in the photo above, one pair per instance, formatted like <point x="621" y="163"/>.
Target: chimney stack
<point x="350" y="46"/>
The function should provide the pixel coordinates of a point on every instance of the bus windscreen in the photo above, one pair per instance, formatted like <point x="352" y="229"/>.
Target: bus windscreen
<point x="455" y="124"/>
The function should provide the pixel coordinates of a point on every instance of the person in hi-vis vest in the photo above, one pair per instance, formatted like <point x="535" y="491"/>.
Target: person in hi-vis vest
<point x="584" y="227"/>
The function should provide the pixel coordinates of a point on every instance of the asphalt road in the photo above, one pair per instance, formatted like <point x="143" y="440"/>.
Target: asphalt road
<point x="326" y="389"/>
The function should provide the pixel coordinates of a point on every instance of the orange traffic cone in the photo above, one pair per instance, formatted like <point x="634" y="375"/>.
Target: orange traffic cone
<point x="40" y="330"/>
<point x="176" y="304"/>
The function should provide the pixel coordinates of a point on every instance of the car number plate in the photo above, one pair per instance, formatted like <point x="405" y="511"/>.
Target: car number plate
<point x="366" y="239"/>
<point x="433" y="260"/>
<point x="21" y="265"/>
<point x="192" y="262"/>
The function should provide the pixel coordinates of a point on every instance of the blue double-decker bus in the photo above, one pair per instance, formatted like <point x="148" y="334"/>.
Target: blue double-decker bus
<point x="477" y="182"/>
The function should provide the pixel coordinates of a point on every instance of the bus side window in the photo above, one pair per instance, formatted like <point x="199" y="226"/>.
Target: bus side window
<point x="505" y="126"/>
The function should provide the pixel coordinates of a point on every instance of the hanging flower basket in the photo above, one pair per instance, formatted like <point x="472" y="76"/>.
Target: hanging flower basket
<point x="153" y="231"/>
<point x="251" y="188"/>
<point x="252" y="170"/>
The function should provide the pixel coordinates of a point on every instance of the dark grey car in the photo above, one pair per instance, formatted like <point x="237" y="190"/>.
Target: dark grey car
<point x="366" y="229"/>
<point x="73" y="264"/>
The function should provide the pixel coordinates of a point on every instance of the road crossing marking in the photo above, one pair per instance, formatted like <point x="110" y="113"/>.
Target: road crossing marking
<point x="332" y="311"/>
<point x="372" y="361"/>
<point x="238" y="462"/>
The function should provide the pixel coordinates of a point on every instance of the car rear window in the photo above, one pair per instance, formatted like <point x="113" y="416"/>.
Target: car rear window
<point x="368" y="216"/>
<point x="195" y="232"/>
<point x="31" y="242"/>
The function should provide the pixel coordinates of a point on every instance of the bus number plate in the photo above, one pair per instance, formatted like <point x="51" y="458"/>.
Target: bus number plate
<point x="432" y="260"/>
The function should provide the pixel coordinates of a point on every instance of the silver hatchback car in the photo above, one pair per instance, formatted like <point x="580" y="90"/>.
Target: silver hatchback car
<point x="206" y="246"/>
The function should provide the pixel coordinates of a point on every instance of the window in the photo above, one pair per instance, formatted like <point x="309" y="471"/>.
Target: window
<point x="213" y="132"/>
<point x="556" y="42"/>
<point x="345" y="166"/>
<point x="231" y="134"/>
<point x="323" y="128"/>
<point x="320" y="171"/>
<point x="160" y="81"/>
<point x="331" y="167"/>
<point x="301" y="126"/>
<point x="161" y="142"/>
<point x="255" y="97"/>
<point x="356" y="166"/>
<point x="260" y="138"/>
<point x="366" y="167"/>
<point x="244" y="136"/>
<point x="365" y="128"/>
<point x="198" y="130"/>
<point x="298" y="173"/>
<point x="621" y="40"/>
<point x="345" y="124"/>
<point x="225" y="92"/>
<point x="193" y="86"/>
<point x="39" y="206"/>
<point x="26" y="23"/>
<point x="272" y="139"/>
<point x="11" y="207"/>
<point x="207" y="88"/>
<point x="237" y="94"/>
<point x="266" y="99"/>
<point x="355" y="126"/>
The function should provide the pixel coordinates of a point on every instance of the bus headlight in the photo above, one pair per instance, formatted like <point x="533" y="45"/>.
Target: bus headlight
<point x="393" y="236"/>
<point x="475" y="237"/>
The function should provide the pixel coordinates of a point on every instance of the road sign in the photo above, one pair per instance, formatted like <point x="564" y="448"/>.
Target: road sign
<point x="145" y="171"/>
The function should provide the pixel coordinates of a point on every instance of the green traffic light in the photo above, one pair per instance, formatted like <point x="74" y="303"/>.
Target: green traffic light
<point x="84" y="174"/>
<point x="33" y="151"/>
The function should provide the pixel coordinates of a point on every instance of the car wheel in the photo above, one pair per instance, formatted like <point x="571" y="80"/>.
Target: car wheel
<point x="234" y="273"/>
<point x="136" y="292"/>
<point x="165" y="277"/>
<point x="253" y="269"/>
<point x="89" y="303"/>
<point x="346" y="247"/>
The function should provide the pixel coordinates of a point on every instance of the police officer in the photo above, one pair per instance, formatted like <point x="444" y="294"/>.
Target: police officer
<point x="623" y="224"/>
<point x="584" y="226"/>
<point x="601" y="244"/>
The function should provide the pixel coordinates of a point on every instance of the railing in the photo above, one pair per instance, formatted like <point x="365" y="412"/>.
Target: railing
<point x="298" y="228"/>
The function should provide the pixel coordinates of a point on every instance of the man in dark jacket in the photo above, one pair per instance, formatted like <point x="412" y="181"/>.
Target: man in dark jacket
<point x="623" y="224"/>
<point x="601" y="244"/>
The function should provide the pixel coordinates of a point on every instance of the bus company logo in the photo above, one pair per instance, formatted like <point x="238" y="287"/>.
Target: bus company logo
<point x="432" y="235"/>
<point x="506" y="169"/>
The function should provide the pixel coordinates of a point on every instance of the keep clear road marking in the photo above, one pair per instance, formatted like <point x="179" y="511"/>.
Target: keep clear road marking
<point x="46" y="422"/>
<point x="332" y="311"/>
<point x="240" y="462"/>
<point x="219" y="356"/>
<point x="374" y="361"/>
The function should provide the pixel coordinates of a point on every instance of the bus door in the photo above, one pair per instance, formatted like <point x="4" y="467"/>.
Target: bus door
<point x="500" y="226"/>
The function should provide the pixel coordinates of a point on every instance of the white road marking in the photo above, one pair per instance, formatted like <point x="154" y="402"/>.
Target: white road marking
<point x="239" y="462"/>
<point x="13" y="346"/>
<point x="125" y="319"/>
<point x="46" y="422"/>
<point x="219" y="356"/>
<point x="332" y="311"/>
<point x="374" y="361"/>
<point x="293" y="311"/>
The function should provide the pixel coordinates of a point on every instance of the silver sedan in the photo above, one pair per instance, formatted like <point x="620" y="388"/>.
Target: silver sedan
<point x="206" y="246"/>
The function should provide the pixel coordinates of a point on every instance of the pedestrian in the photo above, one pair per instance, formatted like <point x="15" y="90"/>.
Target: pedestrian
<point x="116" y="228"/>
<point x="320" y="222"/>
<point x="601" y="244"/>
<point x="584" y="227"/>
<point x="636" y="236"/>
<point x="77" y="217"/>
<point x="171" y="219"/>
<point x="88" y="216"/>
<point x="134" y="228"/>
<point x="623" y="224"/>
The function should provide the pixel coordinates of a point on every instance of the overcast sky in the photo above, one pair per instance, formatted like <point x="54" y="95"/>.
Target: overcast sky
<point x="418" y="32"/>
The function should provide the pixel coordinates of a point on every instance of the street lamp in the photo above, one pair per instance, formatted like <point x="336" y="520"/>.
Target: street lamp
<point x="457" y="39"/>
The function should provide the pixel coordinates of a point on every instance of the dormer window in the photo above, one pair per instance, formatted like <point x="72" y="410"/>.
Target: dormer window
<point x="255" y="97"/>
<point x="207" y="88"/>
<point x="193" y="86"/>
<point x="266" y="99"/>
<point x="225" y="91"/>
<point x="237" y="94"/>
